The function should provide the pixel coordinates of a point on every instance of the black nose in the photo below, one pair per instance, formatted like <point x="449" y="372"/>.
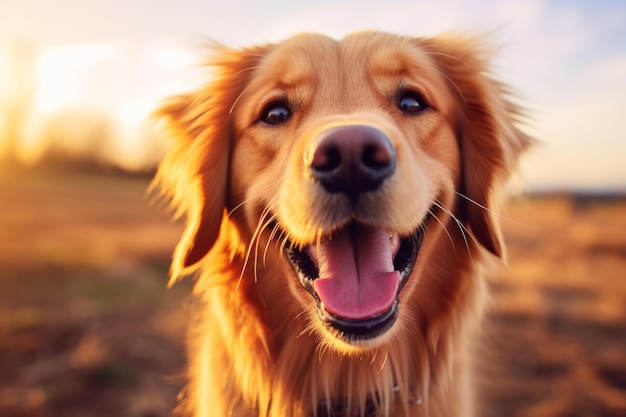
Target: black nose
<point x="352" y="160"/>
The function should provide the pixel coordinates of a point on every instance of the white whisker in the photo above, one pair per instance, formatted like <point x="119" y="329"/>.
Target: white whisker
<point x="307" y="329"/>
<point x="232" y="108"/>
<point x="464" y="231"/>
<point x="445" y="229"/>
<point x="253" y="242"/>
<point x="491" y="211"/>
<point x="258" y="241"/>
<point x="271" y="238"/>
<point x="454" y="58"/>
<point x="237" y="207"/>
<point x="283" y="243"/>
<point x="456" y="87"/>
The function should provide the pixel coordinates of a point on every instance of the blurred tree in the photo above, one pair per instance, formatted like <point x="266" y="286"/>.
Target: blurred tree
<point x="80" y="137"/>
<point x="17" y="92"/>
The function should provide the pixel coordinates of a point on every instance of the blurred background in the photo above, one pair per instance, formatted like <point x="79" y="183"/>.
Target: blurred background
<point x="87" y="326"/>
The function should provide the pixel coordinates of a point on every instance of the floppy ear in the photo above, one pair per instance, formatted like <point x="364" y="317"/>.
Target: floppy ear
<point x="194" y="172"/>
<point x="486" y="125"/>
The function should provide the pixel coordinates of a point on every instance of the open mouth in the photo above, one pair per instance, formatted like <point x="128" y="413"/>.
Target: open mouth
<point x="355" y="275"/>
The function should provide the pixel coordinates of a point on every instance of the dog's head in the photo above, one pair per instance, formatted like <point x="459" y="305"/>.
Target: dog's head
<point x="358" y="162"/>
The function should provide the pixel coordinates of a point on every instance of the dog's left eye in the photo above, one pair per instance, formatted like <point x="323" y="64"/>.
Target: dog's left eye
<point x="412" y="103"/>
<point x="276" y="113"/>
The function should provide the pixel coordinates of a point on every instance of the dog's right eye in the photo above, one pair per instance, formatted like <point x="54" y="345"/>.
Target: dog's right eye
<point x="411" y="103"/>
<point x="276" y="113"/>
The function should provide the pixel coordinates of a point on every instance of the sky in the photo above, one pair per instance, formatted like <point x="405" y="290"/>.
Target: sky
<point x="566" y="61"/>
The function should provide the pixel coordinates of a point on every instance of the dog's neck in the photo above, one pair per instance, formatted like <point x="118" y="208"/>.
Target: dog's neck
<point x="338" y="407"/>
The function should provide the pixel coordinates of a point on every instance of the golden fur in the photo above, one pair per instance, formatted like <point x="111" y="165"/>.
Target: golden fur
<point x="256" y="346"/>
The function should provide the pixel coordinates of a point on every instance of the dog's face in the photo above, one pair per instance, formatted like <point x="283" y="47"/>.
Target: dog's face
<point x="349" y="162"/>
<point x="349" y="148"/>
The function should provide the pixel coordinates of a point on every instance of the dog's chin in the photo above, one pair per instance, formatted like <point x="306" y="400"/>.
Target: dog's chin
<point x="359" y="309"/>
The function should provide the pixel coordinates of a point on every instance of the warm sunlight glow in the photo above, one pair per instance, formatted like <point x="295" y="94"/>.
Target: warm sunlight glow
<point x="3" y="142"/>
<point x="16" y="91"/>
<point x="4" y="96"/>
<point x="87" y="100"/>
<point x="170" y="55"/>
<point x="62" y="90"/>
<point x="61" y="72"/>
<point x="5" y="73"/>
<point x="132" y="117"/>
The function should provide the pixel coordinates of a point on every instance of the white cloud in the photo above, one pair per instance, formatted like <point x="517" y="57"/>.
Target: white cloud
<point x="610" y="71"/>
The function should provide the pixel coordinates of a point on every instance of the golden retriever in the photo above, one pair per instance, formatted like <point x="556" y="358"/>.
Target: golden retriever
<point x="340" y="198"/>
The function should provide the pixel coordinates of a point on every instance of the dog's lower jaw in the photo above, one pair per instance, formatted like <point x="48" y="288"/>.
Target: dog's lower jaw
<point x="364" y="330"/>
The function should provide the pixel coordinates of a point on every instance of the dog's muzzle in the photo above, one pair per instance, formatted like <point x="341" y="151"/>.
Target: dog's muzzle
<point x="356" y="272"/>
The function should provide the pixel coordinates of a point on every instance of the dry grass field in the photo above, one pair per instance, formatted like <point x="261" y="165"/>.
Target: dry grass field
<point x="88" y="328"/>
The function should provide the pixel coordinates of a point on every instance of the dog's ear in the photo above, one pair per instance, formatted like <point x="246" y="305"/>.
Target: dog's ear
<point x="194" y="172"/>
<point x="486" y="126"/>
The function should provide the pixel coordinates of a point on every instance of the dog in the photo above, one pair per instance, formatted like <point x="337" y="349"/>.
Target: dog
<point x="341" y="202"/>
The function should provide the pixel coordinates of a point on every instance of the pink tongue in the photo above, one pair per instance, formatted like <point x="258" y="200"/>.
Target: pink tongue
<point x="356" y="275"/>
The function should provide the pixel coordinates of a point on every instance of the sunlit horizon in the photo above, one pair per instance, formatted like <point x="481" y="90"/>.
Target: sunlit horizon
<point x="76" y="88"/>
<point x="86" y="88"/>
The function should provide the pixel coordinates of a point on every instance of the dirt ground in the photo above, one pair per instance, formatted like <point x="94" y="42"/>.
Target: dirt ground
<point x="88" y="328"/>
